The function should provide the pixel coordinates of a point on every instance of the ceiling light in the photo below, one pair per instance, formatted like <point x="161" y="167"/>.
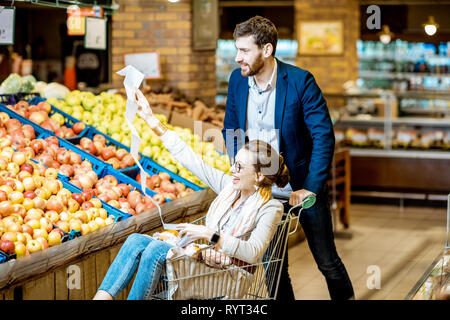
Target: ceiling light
<point x="385" y="35"/>
<point x="430" y="26"/>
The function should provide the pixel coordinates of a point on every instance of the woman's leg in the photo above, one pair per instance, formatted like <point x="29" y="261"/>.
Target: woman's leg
<point x="123" y="267"/>
<point x="149" y="272"/>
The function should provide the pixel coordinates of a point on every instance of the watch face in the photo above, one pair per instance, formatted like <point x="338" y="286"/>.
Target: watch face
<point x="214" y="238"/>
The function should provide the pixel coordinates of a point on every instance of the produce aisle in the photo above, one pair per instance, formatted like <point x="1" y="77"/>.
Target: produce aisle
<point x="71" y="191"/>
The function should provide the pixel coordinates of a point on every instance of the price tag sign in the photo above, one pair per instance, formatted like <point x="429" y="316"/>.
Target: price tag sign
<point x="76" y="23"/>
<point x="7" y="23"/>
<point x="95" y="37"/>
<point x="146" y="62"/>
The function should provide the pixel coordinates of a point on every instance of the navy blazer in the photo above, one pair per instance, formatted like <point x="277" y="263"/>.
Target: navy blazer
<point x="306" y="136"/>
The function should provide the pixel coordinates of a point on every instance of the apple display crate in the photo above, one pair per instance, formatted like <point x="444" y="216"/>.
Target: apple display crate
<point x="37" y="129"/>
<point x="118" y="216"/>
<point x="97" y="164"/>
<point x="16" y="97"/>
<point x="185" y="277"/>
<point x="91" y="132"/>
<point x="151" y="167"/>
<point x="45" y="275"/>
<point x="69" y="120"/>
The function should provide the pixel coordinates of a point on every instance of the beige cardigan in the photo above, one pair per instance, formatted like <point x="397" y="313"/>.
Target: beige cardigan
<point x="262" y="222"/>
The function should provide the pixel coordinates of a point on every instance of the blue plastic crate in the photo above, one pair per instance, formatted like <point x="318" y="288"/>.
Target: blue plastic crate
<point x="6" y="257"/>
<point x="70" y="121"/>
<point x="119" y="215"/>
<point x="97" y="165"/>
<point x="109" y="141"/>
<point x="151" y="167"/>
<point x="37" y="129"/>
<point x="7" y="99"/>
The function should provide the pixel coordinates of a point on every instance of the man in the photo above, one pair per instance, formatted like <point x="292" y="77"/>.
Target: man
<point x="282" y="105"/>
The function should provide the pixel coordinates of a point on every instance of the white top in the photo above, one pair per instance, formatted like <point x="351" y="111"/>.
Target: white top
<point x="261" y="118"/>
<point x="263" y="221"/>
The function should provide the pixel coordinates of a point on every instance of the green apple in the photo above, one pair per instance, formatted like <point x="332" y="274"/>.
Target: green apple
<point x="88" y="103"/>
<point x="161" y="118"/>
<point x="155" y="141"/>
<point x="78" y="108"/>
<point x="73" y="98"/>
<point x="147" y="151"/>
<point x="163" y="160"/>
<point x="116" y="136"/>
<point x="77" y="115"/>
<point x="59" y="117"/>
<point x="52" y="101"/>
<point x="87" y="118"/>
<point x="172" y="168"/>
<point x="126" y="141"/>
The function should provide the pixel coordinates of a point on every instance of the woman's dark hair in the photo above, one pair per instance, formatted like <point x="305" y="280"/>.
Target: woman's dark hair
<point x="262" y="30"/>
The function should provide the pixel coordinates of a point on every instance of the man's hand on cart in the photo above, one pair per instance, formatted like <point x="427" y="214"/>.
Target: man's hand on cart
<point x="298" y="196"/>
<point x="194" y="231"/>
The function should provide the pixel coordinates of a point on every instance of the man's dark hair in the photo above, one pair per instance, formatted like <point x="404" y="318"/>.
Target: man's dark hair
<point x="262" y="30"/>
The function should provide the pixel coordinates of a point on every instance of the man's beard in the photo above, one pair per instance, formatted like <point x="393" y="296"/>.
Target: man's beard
<point x="254" y="68"/>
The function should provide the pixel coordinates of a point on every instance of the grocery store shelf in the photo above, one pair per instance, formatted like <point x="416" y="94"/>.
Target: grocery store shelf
<point x="425" y="111"/>
<point x="398" y="75"/>
<point x="410" y="154"/>
<point x="445" y="122"/>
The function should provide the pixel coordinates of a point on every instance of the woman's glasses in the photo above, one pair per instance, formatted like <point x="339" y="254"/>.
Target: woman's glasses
<point x="238" y="166"/>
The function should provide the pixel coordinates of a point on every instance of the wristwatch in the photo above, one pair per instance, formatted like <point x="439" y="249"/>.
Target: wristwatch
<point x="215" y="238"/>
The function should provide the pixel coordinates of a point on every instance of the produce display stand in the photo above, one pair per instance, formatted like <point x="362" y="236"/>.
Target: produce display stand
<point x="435" y="282"/>
<point x="44" y="275"/>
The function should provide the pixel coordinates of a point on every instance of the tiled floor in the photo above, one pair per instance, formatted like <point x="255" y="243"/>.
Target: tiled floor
<point x="402" y="244"/>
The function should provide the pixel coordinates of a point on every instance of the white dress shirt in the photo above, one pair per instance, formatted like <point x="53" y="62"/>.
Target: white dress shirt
<point x="261" y="118"/>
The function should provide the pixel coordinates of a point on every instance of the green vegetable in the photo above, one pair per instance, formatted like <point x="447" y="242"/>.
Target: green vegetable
<point x="12" y="84"/>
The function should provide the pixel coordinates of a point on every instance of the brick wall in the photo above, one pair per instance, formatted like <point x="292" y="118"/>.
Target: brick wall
<point x="331" y="72"/>
<point x="158" y="25"/>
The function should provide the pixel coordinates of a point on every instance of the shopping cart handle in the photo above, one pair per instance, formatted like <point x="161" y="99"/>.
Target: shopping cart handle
<point x="307" y="203"/>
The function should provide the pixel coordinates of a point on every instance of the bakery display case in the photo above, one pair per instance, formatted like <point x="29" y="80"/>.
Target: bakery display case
<point x="390" y="149"/>
<point x="435" y="282"/>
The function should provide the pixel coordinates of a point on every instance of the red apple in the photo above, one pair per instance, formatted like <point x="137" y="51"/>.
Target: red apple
<point x="7" y="246"/>
<point x="164" y="175"/>
<point x="78" y="127"/>
<point x="159" y="198"/>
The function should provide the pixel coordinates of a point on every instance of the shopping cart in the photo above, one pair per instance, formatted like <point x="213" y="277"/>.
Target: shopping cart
<point x="185" y="277"/>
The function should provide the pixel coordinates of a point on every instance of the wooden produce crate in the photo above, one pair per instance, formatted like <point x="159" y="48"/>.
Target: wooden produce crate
<point x="78" y="276"/>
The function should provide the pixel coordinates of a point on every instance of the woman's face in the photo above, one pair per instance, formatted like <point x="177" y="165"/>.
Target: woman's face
<point x="243" y="171"/>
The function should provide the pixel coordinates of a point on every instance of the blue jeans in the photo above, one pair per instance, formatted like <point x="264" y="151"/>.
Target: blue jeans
<point x="140" y="250"/>
<point x="317" y="226"/>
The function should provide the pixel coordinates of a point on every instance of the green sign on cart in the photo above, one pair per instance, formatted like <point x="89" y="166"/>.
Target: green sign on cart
<point x="7" y="23"/>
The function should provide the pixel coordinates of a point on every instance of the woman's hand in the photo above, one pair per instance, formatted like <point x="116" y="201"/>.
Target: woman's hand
<point x="195" y="231"/>
<point x="215" y="258"/>
<point x="144" y="109"/>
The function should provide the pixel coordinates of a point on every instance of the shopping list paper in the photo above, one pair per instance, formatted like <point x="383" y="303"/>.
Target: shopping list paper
<point x="133" y="79"/>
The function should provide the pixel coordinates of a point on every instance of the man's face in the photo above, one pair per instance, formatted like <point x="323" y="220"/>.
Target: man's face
<point x="249" y="56"/>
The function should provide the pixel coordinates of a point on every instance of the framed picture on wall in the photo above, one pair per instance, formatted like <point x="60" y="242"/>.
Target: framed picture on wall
<point x="320" y="37"/>
<point x="205" y="20"/>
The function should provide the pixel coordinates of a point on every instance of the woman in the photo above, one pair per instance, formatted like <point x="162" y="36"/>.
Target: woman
<point x="244" y="205"/>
